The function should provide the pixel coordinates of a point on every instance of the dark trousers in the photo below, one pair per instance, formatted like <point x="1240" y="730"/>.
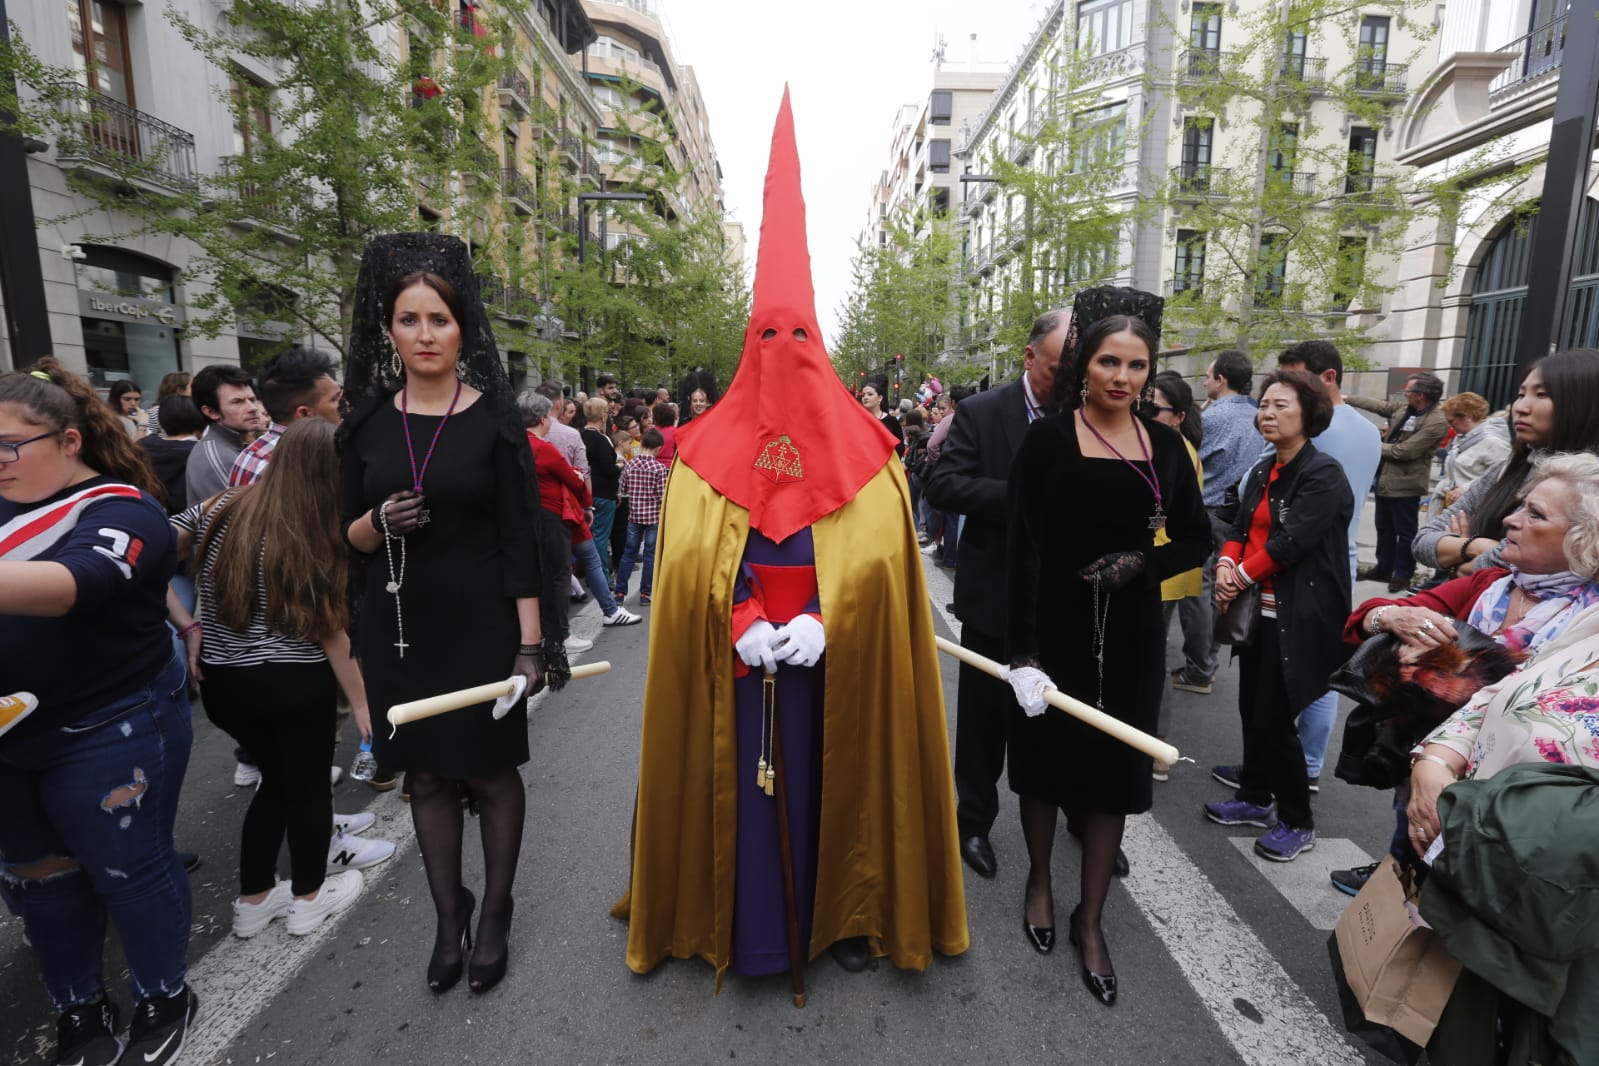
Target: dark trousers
<point x="1274" y="763"/>
<point x="284" y="714"/>
<point x="982" y="716"/>
<point x="1396" y="531"/>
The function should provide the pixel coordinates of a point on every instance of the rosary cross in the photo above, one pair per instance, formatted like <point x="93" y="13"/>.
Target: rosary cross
<point x="402" y="645"/>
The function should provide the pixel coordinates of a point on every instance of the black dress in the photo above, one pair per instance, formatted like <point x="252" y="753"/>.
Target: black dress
<point x="464" y="571"/>
<point x="1066" y="511"/>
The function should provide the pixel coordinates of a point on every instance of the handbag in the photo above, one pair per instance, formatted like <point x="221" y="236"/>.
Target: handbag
<point x="1238" y="623"/>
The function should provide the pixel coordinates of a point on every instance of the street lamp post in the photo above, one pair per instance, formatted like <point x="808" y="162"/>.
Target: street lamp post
<point x="583" y="201"/>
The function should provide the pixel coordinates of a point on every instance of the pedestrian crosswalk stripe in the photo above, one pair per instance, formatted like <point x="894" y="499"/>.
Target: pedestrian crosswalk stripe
<point x="1303" y="882"/>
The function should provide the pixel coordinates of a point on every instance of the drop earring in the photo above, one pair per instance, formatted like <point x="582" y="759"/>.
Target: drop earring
<point x="396" y="367"/>
<point x="1083" y="394"/>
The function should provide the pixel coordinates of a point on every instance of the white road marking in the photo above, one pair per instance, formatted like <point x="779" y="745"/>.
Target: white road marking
<point x="237" y="979"/>
<point x="1264" y="1015"/>
<point x="1304" y="882"/>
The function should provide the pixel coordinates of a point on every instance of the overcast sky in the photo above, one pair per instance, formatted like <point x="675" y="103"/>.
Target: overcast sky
<point x="849" y="65"/>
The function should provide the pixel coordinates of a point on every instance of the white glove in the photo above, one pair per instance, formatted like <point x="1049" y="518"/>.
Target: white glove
<point x="755" y="646"/>
<point x="1030" y="684"/>
<point x="800" y="643"/>
<point x="503" y="705"/>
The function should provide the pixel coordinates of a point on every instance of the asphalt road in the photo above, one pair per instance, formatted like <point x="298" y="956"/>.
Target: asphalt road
<point x="1221" y="960"/>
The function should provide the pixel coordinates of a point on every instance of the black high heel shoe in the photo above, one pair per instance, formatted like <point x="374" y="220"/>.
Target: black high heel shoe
<point x="1102" y="985"/>
<point x="442" y="976"/>
<point x="1041" y="937"/>
<point x="482" y="978"/>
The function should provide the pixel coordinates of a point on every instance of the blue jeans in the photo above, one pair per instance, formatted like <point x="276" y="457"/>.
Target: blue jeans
<point x="604" y="516"/>
<point x="103" y="791"/>
<point x="624" y="569"/>
<point x="1315" y="730"/>
<point x="593" y="573"/>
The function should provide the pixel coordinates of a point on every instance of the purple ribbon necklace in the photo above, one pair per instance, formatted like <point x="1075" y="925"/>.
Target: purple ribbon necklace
<point x="418" y="475"/>
<point x="1157" y="521"/>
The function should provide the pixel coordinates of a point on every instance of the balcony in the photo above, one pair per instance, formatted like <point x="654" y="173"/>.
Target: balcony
<point x="1363" y="187"/>
<point x="518" y="191"/>
<point x="1020" y="150"/>
<point x="514" y="93"/>
<point x="259" y="201"/>
<point x="481" y="163"/>
<point x="591" y="169"/>
<point x="571" y="151"/>
<point x="1378" y="77"/>
<point x="1537" y="54"/>
<point x="1308" y="73"/>
<point x="505" y="299"/>
<point x="1193" y="180"/>
<point x="129" y="143"/>
<point x="1197" y="65"/>
<point x="1296" y="182"/>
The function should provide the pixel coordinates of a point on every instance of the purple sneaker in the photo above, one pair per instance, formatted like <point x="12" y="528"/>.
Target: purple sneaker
<point x="1283" y="843"/>
<point x="1237" y="812"/>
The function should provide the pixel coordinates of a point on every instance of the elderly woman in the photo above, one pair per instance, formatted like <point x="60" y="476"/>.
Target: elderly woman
<point x="1480" y="447"/>
<point x="1291" y="539"/>
<point x="1551" y="557"/>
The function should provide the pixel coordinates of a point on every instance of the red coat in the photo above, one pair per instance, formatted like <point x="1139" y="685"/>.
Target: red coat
<point x="1453" y="598"/>
<point x="561" y="488"/>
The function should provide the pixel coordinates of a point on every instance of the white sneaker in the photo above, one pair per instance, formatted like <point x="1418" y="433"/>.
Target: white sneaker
<point x="930" y="547"/>
<point x="337" y="892"/>
<point x="577" y="645"/>
<point x="335" y="773"/>
<point x="351" y="824"/>
<point x="346" y="852"/>
<point x="621" y="617"/>
<point x="245" y="775"/>
<point x="250" y="918"/>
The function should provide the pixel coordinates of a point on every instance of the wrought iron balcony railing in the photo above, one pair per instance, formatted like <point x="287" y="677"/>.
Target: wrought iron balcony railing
<point x="124" y="138"/>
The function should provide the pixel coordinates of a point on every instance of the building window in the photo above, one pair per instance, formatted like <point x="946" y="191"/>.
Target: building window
<point x="940" y="107"/>
<point x="1204" y="28"/>
<point x="1271" y="271"/>
<point x="938" y="156"/>
<point x="100" y="48"/>
<point x="1371" y="61"/>
<point x="1349" y="276"/>
<point x="1294" y="55"/>
<point x="1194" y="173"/>
<point x="1362" y="159"/>
<point x="1101" y="135"/>
<point x="1188" y="268"/>
<point x="252" y="115"/>
<point x="1105" y="26"/>
<point x="940" y="201"/>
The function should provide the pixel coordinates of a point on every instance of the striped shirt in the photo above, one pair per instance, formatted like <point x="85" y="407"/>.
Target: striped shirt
<point x="253" y="645"/>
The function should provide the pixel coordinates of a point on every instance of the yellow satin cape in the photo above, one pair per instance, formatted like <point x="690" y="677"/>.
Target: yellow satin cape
<point x="888" y="865"/>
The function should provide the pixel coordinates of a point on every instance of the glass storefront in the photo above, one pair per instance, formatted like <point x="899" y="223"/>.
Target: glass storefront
<point x="131" y="321"/>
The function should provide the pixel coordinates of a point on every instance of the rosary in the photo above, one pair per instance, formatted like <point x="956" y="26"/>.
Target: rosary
<point x="1101" y="614"/>
<point x="396" y="578"/>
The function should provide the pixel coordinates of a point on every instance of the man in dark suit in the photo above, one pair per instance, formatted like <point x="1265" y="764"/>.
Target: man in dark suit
<point x="970" y="478"/>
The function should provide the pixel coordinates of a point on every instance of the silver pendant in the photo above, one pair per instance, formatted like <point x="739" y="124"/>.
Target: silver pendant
<point x="392" y="587"/>
<point x="423" y="517"/>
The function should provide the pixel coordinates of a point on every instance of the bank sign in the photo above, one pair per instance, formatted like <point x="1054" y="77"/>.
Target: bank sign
<point x="129" y="309"/>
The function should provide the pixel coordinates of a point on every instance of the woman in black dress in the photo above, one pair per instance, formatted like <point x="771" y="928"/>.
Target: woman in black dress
<point x="438" y="505"/>
<point x="872" y="398"/>
<point x="1088" y="489"/>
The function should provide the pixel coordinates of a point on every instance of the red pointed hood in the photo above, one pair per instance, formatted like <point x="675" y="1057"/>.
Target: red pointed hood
<point x="787" y="441"/>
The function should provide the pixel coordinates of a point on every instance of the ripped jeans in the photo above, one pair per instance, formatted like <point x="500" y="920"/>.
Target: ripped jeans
<point x="104" y="792"/>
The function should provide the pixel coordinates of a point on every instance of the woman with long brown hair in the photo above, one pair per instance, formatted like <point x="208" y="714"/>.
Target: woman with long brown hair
<point x="94" y="748"/>
<point x="270" y="564"/>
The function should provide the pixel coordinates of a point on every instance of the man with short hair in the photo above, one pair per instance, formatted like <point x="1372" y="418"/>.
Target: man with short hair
<point x="1416" y="425"/>
<point x="609" y="389"/>
<point x="226" y="397"/>
<point x="971" y="477"/>
<point x="298" y="384"/>
<point x="1231" y="446"/>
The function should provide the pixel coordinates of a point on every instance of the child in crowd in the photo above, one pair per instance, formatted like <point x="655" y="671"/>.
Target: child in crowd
<point x="644" y="484"/>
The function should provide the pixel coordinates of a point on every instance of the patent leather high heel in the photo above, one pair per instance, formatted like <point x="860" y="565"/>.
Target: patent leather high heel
<point x="442" y="976"/>
<point x="1102" y="985"/>
<point x="1041" y="937"/>
<point x="482" y="978"/>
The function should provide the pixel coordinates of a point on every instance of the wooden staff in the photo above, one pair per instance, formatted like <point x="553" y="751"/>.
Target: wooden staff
<point x="785" y="849"/>
<point x="1137" y="738"/>
<point x="416" y="710"/>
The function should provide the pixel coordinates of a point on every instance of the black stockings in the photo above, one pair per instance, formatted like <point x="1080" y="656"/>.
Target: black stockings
<point x="436" y="812"/>
<point x="1102" y="838"/>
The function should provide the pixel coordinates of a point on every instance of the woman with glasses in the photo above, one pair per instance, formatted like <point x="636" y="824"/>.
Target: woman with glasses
<point x="90" y="776"/>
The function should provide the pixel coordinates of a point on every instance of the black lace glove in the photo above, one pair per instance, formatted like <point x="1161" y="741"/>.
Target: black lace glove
<point x="1114" y="571"/>
<point x="400" y="514"/>
<point x="556" y="670"/>
<point x="529" y="663"/>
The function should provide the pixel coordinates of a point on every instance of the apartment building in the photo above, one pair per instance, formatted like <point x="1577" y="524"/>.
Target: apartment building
<point x="1143" y="87"/>
<point x="654" y="131"/>
<point x="921" y="182"/>
<point x="1489" y="100"/>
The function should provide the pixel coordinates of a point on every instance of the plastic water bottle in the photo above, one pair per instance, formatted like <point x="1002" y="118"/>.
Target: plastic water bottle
<point x="365" y="766"/>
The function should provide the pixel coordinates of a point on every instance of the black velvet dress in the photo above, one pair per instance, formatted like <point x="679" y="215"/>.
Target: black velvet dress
<point x="1066" y="511"/>
<point x="464" y="571"/>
